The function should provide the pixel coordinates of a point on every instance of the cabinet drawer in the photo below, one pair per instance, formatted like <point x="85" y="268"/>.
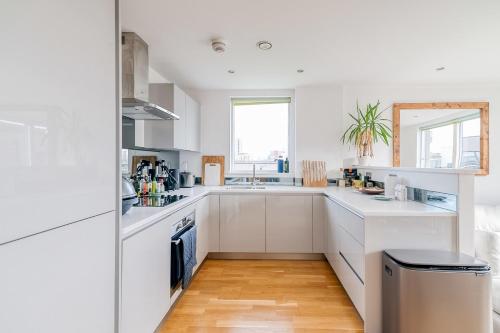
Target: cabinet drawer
<point x="351" y="222"/>
<point x="352" y="252"/>
<point x="352" y="285"/>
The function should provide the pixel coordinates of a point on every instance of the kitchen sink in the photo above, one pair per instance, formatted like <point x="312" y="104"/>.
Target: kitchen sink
<point x="244" y="187"/>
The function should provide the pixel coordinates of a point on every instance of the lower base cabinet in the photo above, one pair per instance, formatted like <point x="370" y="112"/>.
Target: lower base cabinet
<point x="146" y="278"/>
<point x="345" y="252"/>
<point x="202" y="217"/>
<point x="62" y="280"/>
<point x="243" y="223"/>
<point x="289" y="226"/>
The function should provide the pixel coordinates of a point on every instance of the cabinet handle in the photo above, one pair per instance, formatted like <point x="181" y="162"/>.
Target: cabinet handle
<point x="388" y="270"/>
<point x="352" y="269"/>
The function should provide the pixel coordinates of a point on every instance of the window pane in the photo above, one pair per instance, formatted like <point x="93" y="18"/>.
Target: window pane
<point x="437" y="147"/>
<point x="260" y="135"/>
<point x="469" y="144"/>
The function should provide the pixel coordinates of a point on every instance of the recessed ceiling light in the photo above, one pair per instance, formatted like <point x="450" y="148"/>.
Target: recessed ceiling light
<point x="231" y="71"/>
<point x="264" y="45"/>
<point x="442" y="68"/>
<point x="300" y="70"/>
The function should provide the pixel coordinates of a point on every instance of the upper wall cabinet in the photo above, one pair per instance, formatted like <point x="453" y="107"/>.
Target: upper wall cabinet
<point x="182" y="134"/>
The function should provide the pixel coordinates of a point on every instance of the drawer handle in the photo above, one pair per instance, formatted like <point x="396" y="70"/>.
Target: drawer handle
<point x="388" y="270"/>
<point x="352" y="269"/>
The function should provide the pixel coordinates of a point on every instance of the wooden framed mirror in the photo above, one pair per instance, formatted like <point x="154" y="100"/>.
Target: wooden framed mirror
<point x="441" y="135"/>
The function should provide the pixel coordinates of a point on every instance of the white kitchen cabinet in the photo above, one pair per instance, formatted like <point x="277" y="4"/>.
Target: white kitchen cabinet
<point x="182" y="134"/>
<point x="58" y="114"/>
<point x="179" y="108"/>
<point x="192" y="124"/>
<point x="61" y="280"/>
<point x="146" y="278"/>
<point x="242" y="223"/>
<point x="202" y="227"/>
<point x="319" y="224"/>
<point x="213" y="224"/>
<point x="331" y="250"/>
<point x="289" y="226"/>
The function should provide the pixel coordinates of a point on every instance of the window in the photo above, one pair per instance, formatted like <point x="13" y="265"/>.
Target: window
<point x="454" y="144"/>
<point x="260" y="133"/>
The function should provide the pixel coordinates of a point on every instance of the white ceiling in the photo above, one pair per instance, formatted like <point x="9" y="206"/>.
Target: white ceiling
<point x="334" y="41"/>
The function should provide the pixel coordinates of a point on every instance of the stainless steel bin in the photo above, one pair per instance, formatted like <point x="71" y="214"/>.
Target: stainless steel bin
<point x="427" y="291"/>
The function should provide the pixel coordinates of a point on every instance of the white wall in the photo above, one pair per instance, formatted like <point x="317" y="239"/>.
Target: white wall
<point x="319" y="126"/>
<point x="486" y="186"/>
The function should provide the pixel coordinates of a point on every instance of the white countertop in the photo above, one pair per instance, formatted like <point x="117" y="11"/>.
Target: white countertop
<point x="364" y="205"/>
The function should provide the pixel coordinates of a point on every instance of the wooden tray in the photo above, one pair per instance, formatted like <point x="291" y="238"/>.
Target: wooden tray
<point x="372" y="190"/>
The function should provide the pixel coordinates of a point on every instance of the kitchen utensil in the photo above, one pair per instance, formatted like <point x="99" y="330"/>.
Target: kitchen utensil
<point x="173" y="181"/>
<point x="129" y="197"/>
<point x="137" y="159"/>
<point x="215" y="175"/>
<point x="314" y="173"/>
<point x="212" y="174"/>
<point x="186" y="179"/>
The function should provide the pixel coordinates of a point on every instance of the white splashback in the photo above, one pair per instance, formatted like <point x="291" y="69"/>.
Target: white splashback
<point x="439" y="180"/>
<point x="57" y="114"/>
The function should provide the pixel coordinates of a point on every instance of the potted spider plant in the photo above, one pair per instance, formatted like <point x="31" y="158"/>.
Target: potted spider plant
<point x="368" y="127"/>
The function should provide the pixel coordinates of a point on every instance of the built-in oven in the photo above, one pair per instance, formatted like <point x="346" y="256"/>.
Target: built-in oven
<point x="177" y="254"/>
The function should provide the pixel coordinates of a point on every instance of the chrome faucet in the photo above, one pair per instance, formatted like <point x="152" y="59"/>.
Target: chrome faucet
<point x="254" y="180"/>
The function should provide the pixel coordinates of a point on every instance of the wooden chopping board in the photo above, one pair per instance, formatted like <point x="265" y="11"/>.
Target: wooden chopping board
<point x="213" y="160"/>
<point x="314" y="173"/>
<point x="138" y="159"/>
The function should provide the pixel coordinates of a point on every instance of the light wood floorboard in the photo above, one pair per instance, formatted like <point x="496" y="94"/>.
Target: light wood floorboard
<point x="272" y="296"/>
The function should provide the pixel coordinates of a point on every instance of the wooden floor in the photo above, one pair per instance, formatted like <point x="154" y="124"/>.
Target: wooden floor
<point x="264" y="296"/>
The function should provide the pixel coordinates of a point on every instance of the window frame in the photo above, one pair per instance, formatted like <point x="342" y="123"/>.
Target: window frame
<point x="291" y="138"/>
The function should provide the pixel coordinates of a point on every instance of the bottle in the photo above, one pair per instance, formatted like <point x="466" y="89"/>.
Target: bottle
<point x="280" y="164"/>
<point x="286" y="167"/>
<point x="145" y="186"/>
<point x="150" y="185"/>
<point x="153" y="186"/>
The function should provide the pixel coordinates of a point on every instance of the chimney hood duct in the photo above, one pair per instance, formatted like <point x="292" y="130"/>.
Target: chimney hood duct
<point x="135" y="82"/>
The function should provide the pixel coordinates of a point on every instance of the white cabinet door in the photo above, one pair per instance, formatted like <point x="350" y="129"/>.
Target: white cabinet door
<point x="146" y="278"/>
<point x="213" y="224"/>
<point x="192" y="124"/>
<point x="61" y="280"/>
<point x="58" y="114"/>
<point x="242" y="223"/>
<point x="289" y="223"/>
<point x="332" y="246"/>
<point x="202" y="224"/>
<point x="179" y="125"/>
<point x="319" y="224"/>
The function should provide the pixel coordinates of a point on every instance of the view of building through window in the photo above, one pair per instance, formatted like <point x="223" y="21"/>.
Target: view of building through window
<point x="451" y="145"/>
<point x="260" y="134"/>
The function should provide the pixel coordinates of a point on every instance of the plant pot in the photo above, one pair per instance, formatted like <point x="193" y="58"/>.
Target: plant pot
<point x="364" y="160"/>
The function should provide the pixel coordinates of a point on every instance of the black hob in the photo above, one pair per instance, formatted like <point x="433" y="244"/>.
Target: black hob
<point x="157" y="201"/>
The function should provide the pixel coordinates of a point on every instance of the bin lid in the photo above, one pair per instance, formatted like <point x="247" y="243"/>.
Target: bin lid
<point x="436" y="259"/>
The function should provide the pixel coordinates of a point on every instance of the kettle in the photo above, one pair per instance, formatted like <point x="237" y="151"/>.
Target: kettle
<point x="186" y="179"/>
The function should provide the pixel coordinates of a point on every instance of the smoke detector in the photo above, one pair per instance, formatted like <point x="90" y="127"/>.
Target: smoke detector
<point x="219" y="45"/>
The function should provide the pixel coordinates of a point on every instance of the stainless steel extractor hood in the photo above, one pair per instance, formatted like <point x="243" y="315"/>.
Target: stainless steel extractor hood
<point x="135" y="82"/>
